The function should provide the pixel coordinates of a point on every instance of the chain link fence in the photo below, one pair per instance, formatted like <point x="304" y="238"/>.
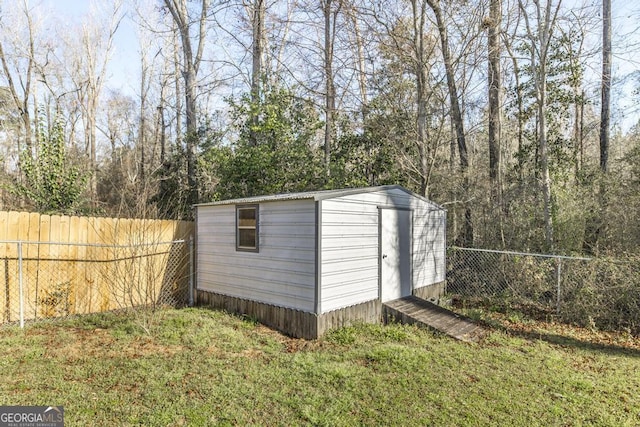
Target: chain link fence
<point x="595" y="292"/>
<point x="47" y="280"/>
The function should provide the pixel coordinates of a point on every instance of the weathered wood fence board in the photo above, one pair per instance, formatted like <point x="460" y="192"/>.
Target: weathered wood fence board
<point x="76" y="264"/>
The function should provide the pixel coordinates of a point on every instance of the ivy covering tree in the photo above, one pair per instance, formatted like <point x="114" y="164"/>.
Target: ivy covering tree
<point x="52" y="183"/>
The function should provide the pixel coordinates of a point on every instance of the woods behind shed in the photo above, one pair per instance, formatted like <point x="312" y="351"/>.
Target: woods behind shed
<point x="307" y="262"/>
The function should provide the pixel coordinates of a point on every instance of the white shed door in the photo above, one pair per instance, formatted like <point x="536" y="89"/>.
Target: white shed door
<point x="395" y="254"/>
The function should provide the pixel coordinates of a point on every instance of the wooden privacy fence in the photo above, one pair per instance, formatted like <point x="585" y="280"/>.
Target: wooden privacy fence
<point x="55" y="266"/>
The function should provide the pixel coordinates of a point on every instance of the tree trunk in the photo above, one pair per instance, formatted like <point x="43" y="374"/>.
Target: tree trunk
<point x="540" y="43"/>
<point x="421" y="72"/>
<point x="22" y="102"/>
<point x="258" y="16"/>
<point x="142" y="124"/>
<point x="495" y="116"/>
<point x="192" y="132"/>
<point x="596" y="222"/>
<point x="161" y="125"/>
<point x="96" y="47"/>
<point x="330" y="90"/>
<point x="191" y="63"/>
<point x="456" y="117"/>
<point x="91" y="121"/>
<point x="606" y="85"/>
<point x="495" y="87"/>
<point x="519" y="107"/>
<point x="360" y="63"/>
<point x="541" y="84"/>
<point x="456" y="113"/>
<point x="179" y="97"/>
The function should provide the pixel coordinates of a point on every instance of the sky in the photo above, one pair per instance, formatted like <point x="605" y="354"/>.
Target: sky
<point x="123" y="72"/>
<point x="124" y="67"/>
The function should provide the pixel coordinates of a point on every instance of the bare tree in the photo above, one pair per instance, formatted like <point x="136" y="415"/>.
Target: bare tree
<point x="606" y="85"/>
<point x="184" y="21"/>
<point x="160" y="87"/>
<point x="508" y="41"/>
<point x="18" y="65"/>
<point x="277" y="41"/>
<point x="117" y="123"/>
<point x="495" y="87"/>
<point x="408" y="44"/>
<point x="88" y="56"/>
<point x="258" y="10"/>
<point x="596" y="222"/>
<point x="540" y="37"/>
<point x="423" y="48"/>
<point x="353" y="16"/>
<point x="456" y="113"/>
<point x="149" y="52"/>
<point x="330" y="11"/>
<point x="179" y="95"/>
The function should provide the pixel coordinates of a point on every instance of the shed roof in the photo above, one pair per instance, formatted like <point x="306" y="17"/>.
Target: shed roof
<point x="315" y="195"/>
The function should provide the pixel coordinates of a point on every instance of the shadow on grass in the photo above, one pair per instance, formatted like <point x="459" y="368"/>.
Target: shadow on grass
<point x="564" y="341"/>
<point x="528" y="321"/>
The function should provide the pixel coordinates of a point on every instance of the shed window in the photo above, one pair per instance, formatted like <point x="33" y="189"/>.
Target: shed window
<point x="247" y="228"/>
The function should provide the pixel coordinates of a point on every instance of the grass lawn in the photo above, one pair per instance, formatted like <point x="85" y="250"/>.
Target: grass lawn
<point x="203" y="367"/>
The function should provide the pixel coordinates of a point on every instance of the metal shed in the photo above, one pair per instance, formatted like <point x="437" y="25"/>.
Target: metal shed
<point x="307" y="262"/>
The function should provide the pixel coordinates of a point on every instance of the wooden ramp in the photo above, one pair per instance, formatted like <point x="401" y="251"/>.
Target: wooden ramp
<point x="414" y="310"/>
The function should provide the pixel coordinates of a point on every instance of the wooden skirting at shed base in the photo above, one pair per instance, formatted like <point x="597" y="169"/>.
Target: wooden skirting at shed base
<point x="296" y="323"/>
<point x="366" y="312"/>
<point x="432" y="292"/>
<point x="292" y="322"/>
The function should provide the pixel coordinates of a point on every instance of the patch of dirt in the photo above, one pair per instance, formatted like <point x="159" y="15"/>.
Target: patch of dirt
<point x="84" y="343"/>
<point x="145" y="346"/>
<point x="252" y="353"/>
<point x="295" y="345"/>
<point x="290" y="344"/>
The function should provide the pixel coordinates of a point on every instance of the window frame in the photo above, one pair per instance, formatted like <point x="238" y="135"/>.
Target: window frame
<point x="256" y="247"/>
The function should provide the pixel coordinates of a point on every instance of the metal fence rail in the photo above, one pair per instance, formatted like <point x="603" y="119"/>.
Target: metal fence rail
<point x="47" y="280"/>
<point x="588" y="291"/>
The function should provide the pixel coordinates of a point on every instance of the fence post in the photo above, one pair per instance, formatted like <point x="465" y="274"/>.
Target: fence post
<point x="190" y="243"/>
<point x="558" y="284"/>
<point x="20" y="284"/>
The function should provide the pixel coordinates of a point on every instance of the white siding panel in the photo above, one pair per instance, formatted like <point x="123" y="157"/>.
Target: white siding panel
<point x="281" y="273"/>
<point x="355" y="253"/>
<point x="352" y="293"/>
<point x="350" y="245"/>
<point x="349" y="253"/>
<point x="429" y="247"/>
